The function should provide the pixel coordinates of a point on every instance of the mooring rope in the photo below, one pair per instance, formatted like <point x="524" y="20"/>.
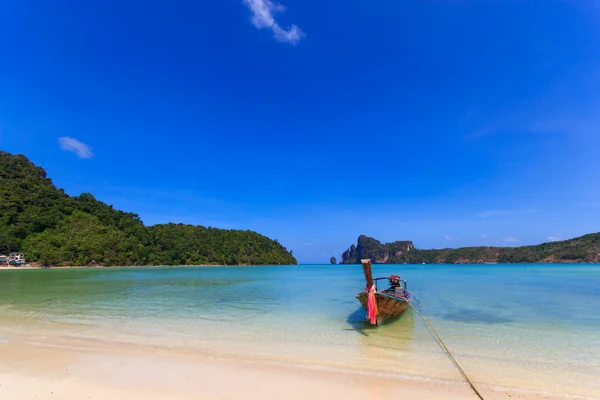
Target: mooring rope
<point x="448" y="352"/>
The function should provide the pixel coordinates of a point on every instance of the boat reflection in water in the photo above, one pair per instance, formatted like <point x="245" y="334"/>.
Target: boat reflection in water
<point x="382" y="349"/>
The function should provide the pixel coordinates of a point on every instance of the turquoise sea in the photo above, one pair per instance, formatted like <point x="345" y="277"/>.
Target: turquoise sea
<point x="532" y="327"/>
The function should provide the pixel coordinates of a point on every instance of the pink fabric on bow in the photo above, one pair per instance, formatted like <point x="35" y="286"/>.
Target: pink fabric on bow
<point x="372" y="306"/>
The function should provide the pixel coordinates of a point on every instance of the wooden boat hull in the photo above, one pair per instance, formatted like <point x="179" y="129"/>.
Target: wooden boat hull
<point x="388" y="306"/>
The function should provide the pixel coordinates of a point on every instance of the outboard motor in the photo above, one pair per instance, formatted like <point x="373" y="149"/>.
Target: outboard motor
<point x="396" y="284"/>
<point x="394" y="281"/>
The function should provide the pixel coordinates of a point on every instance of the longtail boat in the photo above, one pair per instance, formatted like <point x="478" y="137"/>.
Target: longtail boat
<point x="383" y="304"/>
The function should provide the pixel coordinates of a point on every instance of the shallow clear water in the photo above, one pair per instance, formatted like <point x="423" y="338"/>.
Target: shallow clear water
<point x="529" y="326"/>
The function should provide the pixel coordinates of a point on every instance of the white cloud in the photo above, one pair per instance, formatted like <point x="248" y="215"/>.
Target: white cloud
<point x="82" y="150"/>
<point x="263" y="12"/>
<point x="448" y="237"/>
<point x="510" y="239"/>
<point x="553" y="239"/>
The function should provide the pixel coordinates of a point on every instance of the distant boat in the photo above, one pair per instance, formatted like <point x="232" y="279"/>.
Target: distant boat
<point x="383" y="304"/>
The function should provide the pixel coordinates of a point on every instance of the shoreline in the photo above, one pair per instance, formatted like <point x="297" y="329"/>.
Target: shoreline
<point x="34" y="267"/>
<point x="48" y="367"/>
<point x="30" y="267"/>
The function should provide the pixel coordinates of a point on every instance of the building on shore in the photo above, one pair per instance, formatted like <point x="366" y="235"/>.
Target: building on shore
<point x="3" y="260"/>
<point x="16" y="258"/>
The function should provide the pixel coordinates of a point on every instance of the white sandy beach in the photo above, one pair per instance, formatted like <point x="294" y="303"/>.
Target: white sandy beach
<point x="45" y="367"/>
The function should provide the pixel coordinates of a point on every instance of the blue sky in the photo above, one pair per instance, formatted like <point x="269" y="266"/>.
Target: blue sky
<point x="448" y="122"/>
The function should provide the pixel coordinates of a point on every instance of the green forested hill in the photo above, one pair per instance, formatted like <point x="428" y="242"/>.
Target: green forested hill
<point x="54" y="228"/>
<point x="582" y="249"/>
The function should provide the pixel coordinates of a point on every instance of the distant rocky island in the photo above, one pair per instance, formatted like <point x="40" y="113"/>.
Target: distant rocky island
<point x="581" y="249"/>
<point x="53" y="228"/>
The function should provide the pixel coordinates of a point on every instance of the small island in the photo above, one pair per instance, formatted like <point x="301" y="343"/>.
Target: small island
<point x="53" y="228"/>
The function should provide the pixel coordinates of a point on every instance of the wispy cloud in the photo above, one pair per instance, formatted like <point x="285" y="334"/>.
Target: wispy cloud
<point x="448" y="237"/>
<point x="580" y="122"/>
<point x="510" y="239"/>
<point x="553" y="239"/>
<point x="263" y="12"/>
<point x="500" y="213"/>
<point x="80" y="149"/>
<point x="483" y="131"/>
<point x="494" y="213"/>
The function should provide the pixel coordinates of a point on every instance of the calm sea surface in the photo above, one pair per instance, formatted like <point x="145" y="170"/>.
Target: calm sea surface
<point x="535" y="327"/>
